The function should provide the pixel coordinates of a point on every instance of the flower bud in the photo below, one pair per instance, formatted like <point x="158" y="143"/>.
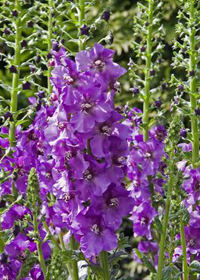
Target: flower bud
<point x="106" y="15"/>
<point x="15" y="13"/>
<point x="13" y="69"/>
<point x="197" y="112"/>
<point x="38" y="59"/>
<point x="152" y="72"/>
<point x="30" y="24"/>
<point x="49" y="56"/>
<point x="85" y="30"/>
<point x="143" y="49"/>
<point x="8" y="115"/>
<point x="23" y="43"/>
<point x="183" y="133"/>
<point x="26" y="85"/>
<point x="192" y="73"/>
<point x="180" y="88"/>
<point x="6" y="31"/>
<point x="157" y="103"/>
<point x="135" y="90"/>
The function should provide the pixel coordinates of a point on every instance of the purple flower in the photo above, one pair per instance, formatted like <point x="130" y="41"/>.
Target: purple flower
<point x="95" y="179"/>
<point x="114" y="205"/>
<point x="142" y="218"/>
<point x="192" y="240"/>
<point x="96" y="59"/>
<point x="95" y="235"/>
<point x="15" y="213"/>
<point x="92" y="108"/>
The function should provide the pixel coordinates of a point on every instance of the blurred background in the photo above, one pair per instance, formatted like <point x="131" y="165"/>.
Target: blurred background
<point x="121" y="26"/>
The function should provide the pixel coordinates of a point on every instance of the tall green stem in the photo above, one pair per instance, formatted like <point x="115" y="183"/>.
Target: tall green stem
<point x="165" y="223"/>
<point x="193" y="88"/>
<point x="183" y="244"/>
<point x="74" y="267"/>
<point x="39" y="247"/>
<point x="50" y="36"/>
<point x="103" y="257"/>
<point x="15" y="80"/>
<point x="81" y="21"/>
<point x="147" y="71"/>
<point x="2" y="245"/>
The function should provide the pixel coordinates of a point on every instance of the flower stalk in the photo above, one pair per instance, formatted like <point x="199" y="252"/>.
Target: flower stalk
<point x="15" y="79"/>
<point x="165" y="223"/>
<point x="50" y="37"/>
<point x="81" y="21"/>
<point x="183" y="244"/>
<point x="74" y="267"/>
<point x="103" y="257"/>
<point x="147" y="71"/>
<point x="2" y="245"/>
<point x="39" y="247"/>
<point x="193" y="87"/>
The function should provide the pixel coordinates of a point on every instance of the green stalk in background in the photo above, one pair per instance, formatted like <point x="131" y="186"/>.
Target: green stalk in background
<point x="74" y="267"/>
<point x="183" y="244"/>
<point x="147" y="71"/>
<point x="81" y="22"/>
<point x="50" y="37"/>
<point x="103" y="257"/>
<point x="193" y="85"/>
<point x="194" y="120"/>
<point x="39" y="247"/>
<point x="165" y="222"/>
<point x="15" y="80"/>
<point x="2" y="245"/>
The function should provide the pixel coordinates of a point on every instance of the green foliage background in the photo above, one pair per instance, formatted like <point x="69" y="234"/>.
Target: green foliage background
<point x="121" y="24"/>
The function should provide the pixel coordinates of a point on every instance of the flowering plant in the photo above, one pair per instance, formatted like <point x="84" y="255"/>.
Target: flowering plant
<point x="75" y="167"/>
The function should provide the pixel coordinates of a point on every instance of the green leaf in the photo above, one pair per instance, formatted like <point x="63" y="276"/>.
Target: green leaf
<point x="170" y="273"/>
<point x="158" y="224"/>
<point x="148" y="264"/>
<point x="195" y="267"/>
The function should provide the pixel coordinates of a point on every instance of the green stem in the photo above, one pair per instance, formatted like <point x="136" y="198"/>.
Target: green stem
<point x="183" y="244"/>
<point x="147" y="71"/>
<point x="49" y="233"/>
<point x="2" y="245"/>
<point x="193" y="89"/>
<point x="39" y="247"/>
<point x="165" y="224"/>
<point x="81" y="21"/>
<point x="15" y="79"/>
<point x="50" y="36"/>
<point x="103" y="257"/>
<point x="63" y="249"/>
<point x="194" y="121"/>
<point x="74" y="267"/>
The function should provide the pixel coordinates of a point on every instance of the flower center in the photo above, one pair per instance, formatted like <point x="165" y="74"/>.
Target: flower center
<point x="22" y="256"/>
<point x="148" y="155"/>
<point x="67" y="197"/>
<point x="99" y="63"/>
<point x="61" y="125"/>
<point x="68" y="80"/>
<point x="114" y="202"/>
<point x="144" y="221"/>
<point x="87" y="175"/>
<point x="95" y="228"/>
<point x="191" y="243"/>
<point x="197" y="185"/>
<point x="86" y="107"/>
<point x="106" y="130"/>
<point x="68" y="155"/>
<point x="48" y="175"/>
